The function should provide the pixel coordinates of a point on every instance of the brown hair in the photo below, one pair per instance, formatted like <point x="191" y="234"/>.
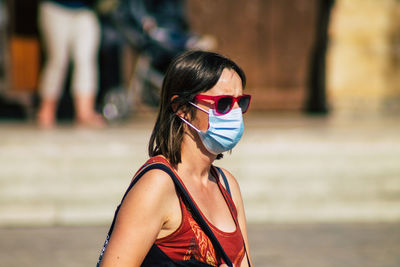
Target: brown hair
<point x="189" y="74"/>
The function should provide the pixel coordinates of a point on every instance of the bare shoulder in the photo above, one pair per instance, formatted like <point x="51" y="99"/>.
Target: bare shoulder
<point x="233" y="185"/>
<point x="151" y="197"/>
<point x="153" y="185"/>
<point x="157" y="179"/>
<point x="229" y="176"/>
<point x="148" y="205"/>
<point x="141" y="217"/>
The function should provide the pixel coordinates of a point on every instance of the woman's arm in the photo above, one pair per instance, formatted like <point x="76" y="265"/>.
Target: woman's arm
<point x="237" y="199"/>
<point x="142" y="216"/>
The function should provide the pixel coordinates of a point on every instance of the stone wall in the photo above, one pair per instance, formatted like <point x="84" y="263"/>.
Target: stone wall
<point x="364" y="57"/>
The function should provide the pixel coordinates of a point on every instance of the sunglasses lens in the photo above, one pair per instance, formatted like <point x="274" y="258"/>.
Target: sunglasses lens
<point x="244" y="103"/>
<point x="224" y="104"/>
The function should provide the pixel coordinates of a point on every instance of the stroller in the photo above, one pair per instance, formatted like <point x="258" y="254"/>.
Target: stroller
<point x="158" y="31"/>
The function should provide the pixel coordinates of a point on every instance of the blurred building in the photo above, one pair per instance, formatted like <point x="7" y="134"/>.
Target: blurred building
<point x="19" y="57"/>
<point x="274" y="42"/>
<point x="271" y="40"/>
<point x="23" y="44"/>
<point x="364" y="57"/>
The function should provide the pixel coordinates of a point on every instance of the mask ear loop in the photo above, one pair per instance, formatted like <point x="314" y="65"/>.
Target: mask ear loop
<point x="202" y="109"/>
<point x="187" y="122"/>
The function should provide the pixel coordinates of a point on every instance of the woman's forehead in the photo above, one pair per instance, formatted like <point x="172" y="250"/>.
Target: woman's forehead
<point x="229" y="83"/>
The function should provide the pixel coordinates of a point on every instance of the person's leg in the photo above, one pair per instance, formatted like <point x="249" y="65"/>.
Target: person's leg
<point x="54" y="26"/>
<point x="85" y="74"/>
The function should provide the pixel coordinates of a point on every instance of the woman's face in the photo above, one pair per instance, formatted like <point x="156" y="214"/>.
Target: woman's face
<point x="228" y="84"/>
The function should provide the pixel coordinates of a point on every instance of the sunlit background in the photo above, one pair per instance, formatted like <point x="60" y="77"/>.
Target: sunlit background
<point x="318" y="165"/>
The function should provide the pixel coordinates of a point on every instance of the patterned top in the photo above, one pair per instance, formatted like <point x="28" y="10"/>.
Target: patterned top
<point x="189" y="240"/>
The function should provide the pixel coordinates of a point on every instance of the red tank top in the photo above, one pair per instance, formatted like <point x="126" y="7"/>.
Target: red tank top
<point x="189" y="240"/>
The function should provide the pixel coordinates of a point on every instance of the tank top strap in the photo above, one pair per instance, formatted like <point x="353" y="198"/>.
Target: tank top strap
<point x="153" y="160"/>
<point x="227" y="196"/>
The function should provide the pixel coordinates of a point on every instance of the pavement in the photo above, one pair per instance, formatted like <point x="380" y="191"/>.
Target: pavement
<point x="318" y="191"/>
<point x="278" y="245"/>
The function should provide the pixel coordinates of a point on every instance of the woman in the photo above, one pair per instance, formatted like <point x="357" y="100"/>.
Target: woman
<point x="200" y="117"/>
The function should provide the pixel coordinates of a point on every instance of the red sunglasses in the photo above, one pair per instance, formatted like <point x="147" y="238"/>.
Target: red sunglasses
<point x="224" y="103"/>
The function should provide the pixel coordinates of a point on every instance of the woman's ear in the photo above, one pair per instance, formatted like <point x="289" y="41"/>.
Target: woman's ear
<point x="180" y="111"/>
<point x="174" y="106"/>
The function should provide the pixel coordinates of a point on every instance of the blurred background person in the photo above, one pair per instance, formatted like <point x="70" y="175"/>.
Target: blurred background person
<point x="156" y="31"/>
<point x="69" y="29"/>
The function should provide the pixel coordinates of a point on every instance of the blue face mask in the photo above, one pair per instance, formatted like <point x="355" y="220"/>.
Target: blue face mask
<point x="224" y="131"/>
